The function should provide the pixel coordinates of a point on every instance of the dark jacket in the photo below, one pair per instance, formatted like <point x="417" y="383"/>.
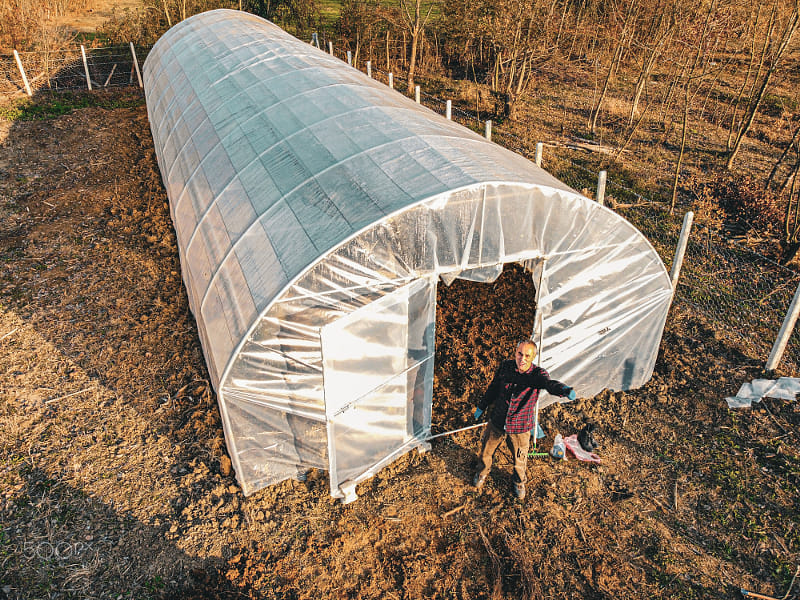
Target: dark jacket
<point x="520" y="391"/>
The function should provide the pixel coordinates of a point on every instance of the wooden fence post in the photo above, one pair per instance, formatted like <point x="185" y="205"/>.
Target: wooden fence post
<point x="110" y="75"/>
<point x="22" y="72"/>
<point x="136" y="65"/>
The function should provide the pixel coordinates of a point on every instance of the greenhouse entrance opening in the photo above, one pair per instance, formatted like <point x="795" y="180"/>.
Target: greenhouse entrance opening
<point x="378" y="383"/>
<point x="477" y="326"/>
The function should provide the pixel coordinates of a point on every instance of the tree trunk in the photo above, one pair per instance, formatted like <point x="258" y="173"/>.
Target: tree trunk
<point x="791" y="177"/>
<point x="662" y="35"/>
<point x="641" y="81"/>
<point x="791" y="224"/>
<point x="783" y="156"/>
<point x="679" y="162"/>
<point x="700" y="57"/>
<point x="625" y="31"/>
<point x="786" y="38"/>
<point x="577" y="28"/>
<point x="750" y="65"/>
<point x="166" y="12"/>
<point x="631" y="133"/>
<point x="415" y="25"/>
<point x="561" y="24"/>
<point x="609" y="75"/>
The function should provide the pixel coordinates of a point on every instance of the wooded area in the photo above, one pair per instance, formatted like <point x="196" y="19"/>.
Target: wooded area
<point x="714" y="83"/>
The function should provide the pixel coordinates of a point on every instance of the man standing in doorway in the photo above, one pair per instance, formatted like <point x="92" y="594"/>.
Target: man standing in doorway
<point x="513" y="394"/>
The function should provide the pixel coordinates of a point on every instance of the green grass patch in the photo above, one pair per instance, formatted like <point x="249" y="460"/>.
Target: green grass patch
<point x="50" y="105"/>
<point x="329" y="12"/>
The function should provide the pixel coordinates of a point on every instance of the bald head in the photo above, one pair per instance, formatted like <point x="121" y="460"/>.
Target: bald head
<point x="526" y="352"/>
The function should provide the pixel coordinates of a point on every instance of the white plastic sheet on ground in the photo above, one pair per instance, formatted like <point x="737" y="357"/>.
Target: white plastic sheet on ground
<point x="316" y="209"/>
<point x="785" y="388"/>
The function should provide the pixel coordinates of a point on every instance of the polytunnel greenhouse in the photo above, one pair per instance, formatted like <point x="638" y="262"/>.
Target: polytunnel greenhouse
<point x="317" y="210"/>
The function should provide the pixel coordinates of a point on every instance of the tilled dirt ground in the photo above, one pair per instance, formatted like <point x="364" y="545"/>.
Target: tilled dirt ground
<point x="114" y="478"/>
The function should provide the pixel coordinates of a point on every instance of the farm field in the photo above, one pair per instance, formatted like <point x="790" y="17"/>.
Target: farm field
<point x="114" y="477"/>
<point x="115" y="480"/>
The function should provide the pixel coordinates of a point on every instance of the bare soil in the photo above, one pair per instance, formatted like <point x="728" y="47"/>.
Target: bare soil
<point x="114" y="478"/>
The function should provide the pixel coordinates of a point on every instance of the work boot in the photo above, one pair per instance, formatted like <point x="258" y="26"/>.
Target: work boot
<point x="479" y="480"/>
<point x="519" y="490"/>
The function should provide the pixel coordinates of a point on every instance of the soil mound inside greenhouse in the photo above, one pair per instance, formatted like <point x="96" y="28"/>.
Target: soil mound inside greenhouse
<point x="116" y="481"/>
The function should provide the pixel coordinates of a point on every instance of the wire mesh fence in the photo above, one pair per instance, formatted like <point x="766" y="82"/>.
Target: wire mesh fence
<point x="67" y="70"/>
<point x="743" y="295"/>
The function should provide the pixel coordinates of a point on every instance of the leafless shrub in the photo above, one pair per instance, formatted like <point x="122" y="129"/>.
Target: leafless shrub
<point x="742" y="203"/>
<point x="30" y="24"/>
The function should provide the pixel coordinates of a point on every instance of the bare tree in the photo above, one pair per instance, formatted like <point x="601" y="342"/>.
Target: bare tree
<point x="300" y="13"/>
<point x="166" y="13"/>
<point x="694" y="71"/>
<point x="655" y="39"/>
<point x="755" y="18"/>
<point x="625" y="28"/>
<point x="502" y="40"/>
<point x="794" y="144"/>
<point x="411" y="11"/>
<point x="513" y="42"/>
<point x="361" y="24"/>
<point x="778" y="46"/>
<point x="791" y="188"/>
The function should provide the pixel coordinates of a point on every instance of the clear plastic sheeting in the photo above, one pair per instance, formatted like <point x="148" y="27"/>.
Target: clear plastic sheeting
<point x="316" y="210"/>
<point x="785" y="388"/>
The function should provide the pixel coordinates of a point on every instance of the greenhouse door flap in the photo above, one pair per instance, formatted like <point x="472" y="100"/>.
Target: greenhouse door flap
<point x="378" y="382"/>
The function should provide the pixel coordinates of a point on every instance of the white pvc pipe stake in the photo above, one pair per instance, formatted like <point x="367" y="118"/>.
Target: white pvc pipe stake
<point x="786" y="331"/>
<point x="86" y="68"/>
<point x="601" y="187"/>
<point x="448" y="110"/>
<point x="349" y="58"/>
<point x="369" y="68"/>
<point x="22" y="72"/>
<point x="488" y="132"/>
<point x="438" y="435"/>
<point x="330" y="48"/>
<point x="680" y="251"/>
<point x="416" y="93"/>
<point x="539" y="148"/>
<point x="391" y="81"/>
<point x="136" y="65"/>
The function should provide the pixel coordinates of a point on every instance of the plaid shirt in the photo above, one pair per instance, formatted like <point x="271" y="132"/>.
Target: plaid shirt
<point x="513" y="396"/>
